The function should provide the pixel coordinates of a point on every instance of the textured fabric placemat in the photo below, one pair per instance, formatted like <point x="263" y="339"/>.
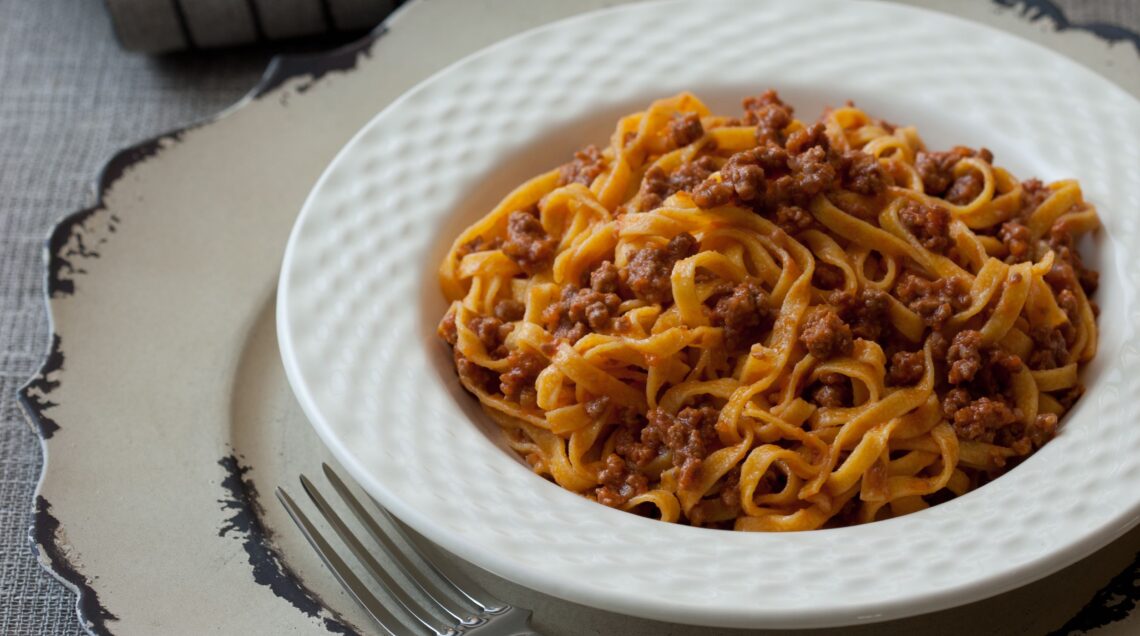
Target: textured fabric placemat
<point x="69" y="98"/>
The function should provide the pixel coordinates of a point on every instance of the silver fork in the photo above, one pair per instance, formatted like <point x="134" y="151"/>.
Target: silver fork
<point x="451" y="609"/>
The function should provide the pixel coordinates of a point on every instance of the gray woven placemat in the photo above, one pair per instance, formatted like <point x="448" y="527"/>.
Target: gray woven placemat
<point x="69" y="98"/>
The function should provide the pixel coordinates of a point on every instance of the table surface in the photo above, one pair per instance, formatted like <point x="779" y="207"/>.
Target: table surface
<point x="71" y="98"/>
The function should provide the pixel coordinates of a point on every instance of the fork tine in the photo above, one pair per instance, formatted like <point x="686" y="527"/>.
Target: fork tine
<point x="337" y="566"/>
<point x="448" y="602"/>
<point x="417" y="611"/>
<point x="488" y="603"/>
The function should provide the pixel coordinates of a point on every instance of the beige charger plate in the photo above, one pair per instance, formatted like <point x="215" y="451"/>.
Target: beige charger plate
<point x="163" y="407"/>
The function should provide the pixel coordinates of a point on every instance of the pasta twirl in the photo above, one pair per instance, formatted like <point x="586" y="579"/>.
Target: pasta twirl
<point x="765" y="324"/>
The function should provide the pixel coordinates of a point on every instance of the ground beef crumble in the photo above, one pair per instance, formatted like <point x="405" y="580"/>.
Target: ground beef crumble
<point x="605" y="278"/>
<point x="994" y="420"/>
<point x="527" y="243"/>
<point x="1033" y="194"/>
<point x="861" y="173"/>
<point x="630" y="440"/>
<point x="865" y="312"/>
<point x="1068" y="258"/>
<point x="657" y="185"/>
<point x="936" y="169"/>
<point x="685" y="129"/>
<point x="447" y="328"/>
<point x="1049" y="349"/>
<point x="730" y="490"/>
<point x="981" y="419"/>
<point x="478" y="244"/>
<point x="824" y="334"/>
<point x="745" y="176"/>
<point x="986" y="369"/>
<point x="929" y="223"/>
<point x="491" y="332"/>
<point x="690" y="436"/>
<point x="509" y="310"/>
<point x="1015" y="236"/>
<point x="619" y="482"/>
<point x="580" y="311"/>
<point x="832" y="390"/>
<point x="517" y="382"/>
<point x="769" y="114"/>
<point x="587" y="165"/>
<point x="767" y="177"/>
<point x="793" y="219"/>
<point x="742" y="314"/>
<point x="980" y="401"/>
<point x="780" y="182"/>
<point x="965" y="188"/>
<point x="964" y="356"/>
<point x="811" y="174"/>
<point x="648" y="273"/>
<point x="476" y="375"/>
<point x="742" y="178"/>
<point x="906" y="368"/>
<point x="934" y="300"/>
<point x="805" y="138"/>
<point x="1043" y="429"/>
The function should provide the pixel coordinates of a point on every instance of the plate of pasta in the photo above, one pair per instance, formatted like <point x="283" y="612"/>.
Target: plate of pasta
<point x="797" y="331"/>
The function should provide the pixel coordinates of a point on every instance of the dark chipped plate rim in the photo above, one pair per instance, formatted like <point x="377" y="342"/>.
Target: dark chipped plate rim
<point x="32" y="396"/>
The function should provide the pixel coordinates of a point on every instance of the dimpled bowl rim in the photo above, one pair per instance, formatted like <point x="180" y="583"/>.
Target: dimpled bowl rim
<point x="358" y="302"/>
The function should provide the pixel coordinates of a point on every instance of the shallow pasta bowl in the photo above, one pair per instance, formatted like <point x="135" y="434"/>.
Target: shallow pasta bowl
<point x="358" y="305"/>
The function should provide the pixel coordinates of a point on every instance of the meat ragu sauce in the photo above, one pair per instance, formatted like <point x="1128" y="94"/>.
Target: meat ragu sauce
<point x="756" y="323"/>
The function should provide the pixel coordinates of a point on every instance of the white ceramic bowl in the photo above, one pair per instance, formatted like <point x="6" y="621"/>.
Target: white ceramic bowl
<point x="358" y="304"/>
